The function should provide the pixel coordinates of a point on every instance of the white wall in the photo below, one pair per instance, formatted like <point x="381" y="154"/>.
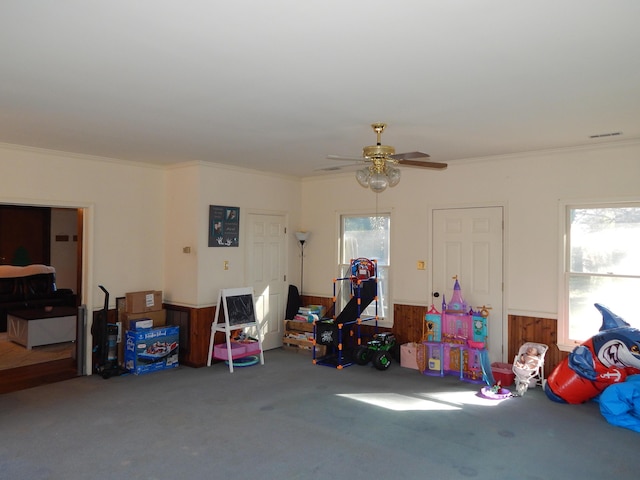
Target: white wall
<point x="182" y="230"/>
<point x="125" y="207"/>
<point x="195" y="279"/>
<point x="529" y="186"/>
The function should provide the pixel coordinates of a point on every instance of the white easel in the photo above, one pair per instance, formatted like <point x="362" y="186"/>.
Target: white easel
<point x="239" y="309"/>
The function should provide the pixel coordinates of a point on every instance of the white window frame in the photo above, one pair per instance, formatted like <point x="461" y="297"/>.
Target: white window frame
<point x="385" y="314"/>
<point x="565" y="343"/>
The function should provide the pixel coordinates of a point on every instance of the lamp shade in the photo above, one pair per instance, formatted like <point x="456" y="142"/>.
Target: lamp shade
<point x="302" y="236"/>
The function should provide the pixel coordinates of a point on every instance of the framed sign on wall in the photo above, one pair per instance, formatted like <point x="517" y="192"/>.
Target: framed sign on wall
<point x="224" y="226"/>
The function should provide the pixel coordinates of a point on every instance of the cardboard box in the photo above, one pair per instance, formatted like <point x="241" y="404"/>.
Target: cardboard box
<point x="151" y="350"/>
<point x="159" y="319"/>
<point x="141" y="302"/>
<point x="408" y="355"/>
<point x="140" y="324"/>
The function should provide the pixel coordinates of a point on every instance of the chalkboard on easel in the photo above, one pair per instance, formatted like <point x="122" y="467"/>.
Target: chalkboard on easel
<point x="239" y="312"/>
<point x="238" y="306"/>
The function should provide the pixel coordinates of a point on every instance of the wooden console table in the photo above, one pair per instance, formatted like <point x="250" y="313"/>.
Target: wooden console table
<point x="32" y="328"/>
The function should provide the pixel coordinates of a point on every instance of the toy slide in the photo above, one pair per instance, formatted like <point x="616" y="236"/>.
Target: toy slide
<point x="485" y="363"/>
<point x="350" y="312"/>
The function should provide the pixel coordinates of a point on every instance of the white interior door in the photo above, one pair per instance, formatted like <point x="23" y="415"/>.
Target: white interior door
<point x="266" y="264"/>
<point x="468" y="243"/>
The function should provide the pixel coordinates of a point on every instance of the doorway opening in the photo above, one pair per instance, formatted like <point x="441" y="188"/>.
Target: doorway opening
<point x="51" y="235"/>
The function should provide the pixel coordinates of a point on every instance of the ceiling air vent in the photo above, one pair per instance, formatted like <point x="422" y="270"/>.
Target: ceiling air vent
<point x="604" y="135"/>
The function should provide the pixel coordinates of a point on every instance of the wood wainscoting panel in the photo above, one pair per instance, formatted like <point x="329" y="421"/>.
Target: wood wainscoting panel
<point x="200" y="335"/>
<point x="195" y="323"/>
<point x="408" y="322"/>
<point x="522" y="329"/>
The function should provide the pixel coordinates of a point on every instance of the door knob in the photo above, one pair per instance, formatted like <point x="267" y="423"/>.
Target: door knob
<point x="436" y="294"/>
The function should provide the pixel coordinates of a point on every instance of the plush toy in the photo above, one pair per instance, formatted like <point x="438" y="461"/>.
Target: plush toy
<point x="606" y="358"/>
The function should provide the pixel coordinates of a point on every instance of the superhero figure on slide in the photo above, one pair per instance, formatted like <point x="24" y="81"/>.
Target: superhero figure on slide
<point x="606" y="358"/>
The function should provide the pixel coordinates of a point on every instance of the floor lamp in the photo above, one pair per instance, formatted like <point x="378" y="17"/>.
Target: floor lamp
<point x="302" y="238"/>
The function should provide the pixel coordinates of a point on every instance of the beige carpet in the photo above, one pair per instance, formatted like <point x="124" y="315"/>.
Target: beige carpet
<point x="13" y="355"/>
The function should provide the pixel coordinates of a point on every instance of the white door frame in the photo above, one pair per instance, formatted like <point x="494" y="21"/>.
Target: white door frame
<point x="505" y="256"/>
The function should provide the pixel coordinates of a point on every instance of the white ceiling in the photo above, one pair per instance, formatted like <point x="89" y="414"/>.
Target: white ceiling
<point x="277" y="85"/>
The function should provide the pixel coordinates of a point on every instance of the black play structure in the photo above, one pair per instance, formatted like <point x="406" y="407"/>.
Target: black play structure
<point x="341" y="335"/>
<point x="105" y="334"/>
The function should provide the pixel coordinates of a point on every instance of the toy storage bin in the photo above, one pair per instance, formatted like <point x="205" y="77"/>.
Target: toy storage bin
<point x="408" y="358"/>
<point x="238" y="350"/>
<point x="330" y="333"/>
<point x="251" y="348"/>
<point x="503" y="373"/>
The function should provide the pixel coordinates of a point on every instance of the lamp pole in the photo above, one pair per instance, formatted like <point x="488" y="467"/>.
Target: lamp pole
<point x="302" y="238"/>
<point x="301" y="265"/>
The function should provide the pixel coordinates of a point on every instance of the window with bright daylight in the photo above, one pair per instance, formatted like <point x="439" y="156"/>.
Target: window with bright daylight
<point x="366" y="236"/>
<point x="601" y="265"/>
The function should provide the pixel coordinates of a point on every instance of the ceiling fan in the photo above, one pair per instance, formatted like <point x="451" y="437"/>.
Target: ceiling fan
<point x="380" y="163"/>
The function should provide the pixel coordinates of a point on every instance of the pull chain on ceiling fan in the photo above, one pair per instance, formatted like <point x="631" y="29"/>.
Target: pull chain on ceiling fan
<point x="381" y="171"/>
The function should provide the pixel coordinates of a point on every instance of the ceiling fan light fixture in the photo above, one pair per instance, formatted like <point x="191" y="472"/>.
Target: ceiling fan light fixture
<point x="382" y="161"/>
<point x="363" y="177"/>
<point x="378" y="182"/>
<point x="380" y="151"/>
<point x="393" y="174"/>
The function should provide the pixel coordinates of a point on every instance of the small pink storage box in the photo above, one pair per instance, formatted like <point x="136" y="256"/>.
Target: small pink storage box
<point x="408" y="355"/>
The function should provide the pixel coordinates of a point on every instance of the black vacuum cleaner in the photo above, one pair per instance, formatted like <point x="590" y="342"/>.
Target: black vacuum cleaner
<point x="105" y="347"/>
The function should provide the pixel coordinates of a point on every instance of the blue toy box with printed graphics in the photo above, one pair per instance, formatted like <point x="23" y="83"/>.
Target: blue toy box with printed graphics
<point x="151" y="350"/>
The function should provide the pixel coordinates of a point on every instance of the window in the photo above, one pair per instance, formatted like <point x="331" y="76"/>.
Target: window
<point x="366" y="236"/>
<point x="601" y="265"/>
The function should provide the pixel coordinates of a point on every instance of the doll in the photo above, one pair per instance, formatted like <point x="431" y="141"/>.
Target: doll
<point x="529" y="359"/>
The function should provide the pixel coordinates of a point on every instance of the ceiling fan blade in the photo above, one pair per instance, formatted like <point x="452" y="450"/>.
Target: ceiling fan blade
<point x="350" y="158"/>
<point x="418" y="163"/>
<point x="337" y="167"/>
<point x="409" y="156"/>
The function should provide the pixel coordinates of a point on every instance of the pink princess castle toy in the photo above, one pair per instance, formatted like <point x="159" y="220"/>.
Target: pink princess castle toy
<point x="455" y="339"/>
